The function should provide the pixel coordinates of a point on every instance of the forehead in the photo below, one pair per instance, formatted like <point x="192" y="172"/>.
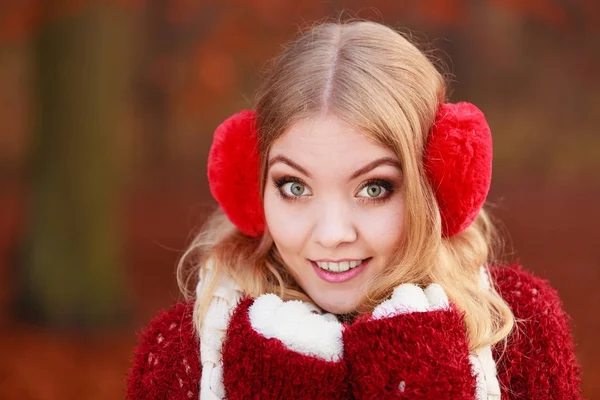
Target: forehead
<point x="327" y="136"/>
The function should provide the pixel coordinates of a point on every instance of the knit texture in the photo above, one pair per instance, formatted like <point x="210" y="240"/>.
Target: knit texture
<point x="166" y="364"/>
<point x="539" y="360"/>
<point x="418" y="355"/>
<point x="225" y="298"/>
<point x="259" y="368"/>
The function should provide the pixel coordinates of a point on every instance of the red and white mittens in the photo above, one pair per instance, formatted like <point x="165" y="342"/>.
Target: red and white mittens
<point x="413" y="346"/>
<point x="278" y="349"/>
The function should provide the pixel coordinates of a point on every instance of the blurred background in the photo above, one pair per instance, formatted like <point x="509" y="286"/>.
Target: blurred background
<point x="107" y="109"/>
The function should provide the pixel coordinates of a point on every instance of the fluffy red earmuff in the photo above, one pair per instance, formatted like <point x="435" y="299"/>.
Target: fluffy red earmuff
<point x="233" y="172"/>
<point x="458" y="161"/>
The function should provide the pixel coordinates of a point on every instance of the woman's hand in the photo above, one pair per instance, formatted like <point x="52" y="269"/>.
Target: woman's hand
<point x="408" y="298"/>
<point x="283" y="349"/>
<point x="299" y="326"/>
<point x="414" y="346"/>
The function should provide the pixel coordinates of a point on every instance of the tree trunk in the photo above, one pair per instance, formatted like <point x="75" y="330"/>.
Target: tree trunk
<point x="73" y="273"/>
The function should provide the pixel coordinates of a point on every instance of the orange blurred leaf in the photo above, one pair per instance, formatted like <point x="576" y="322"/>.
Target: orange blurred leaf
<point x="18" y="19"/>
<point x="448" y="13"/>
<point x="547" y="11"/>
<point x="216" y="70"/>
<point x="182" y="11"/>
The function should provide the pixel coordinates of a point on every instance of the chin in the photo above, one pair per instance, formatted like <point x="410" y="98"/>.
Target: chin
<point x="337" y="306"/>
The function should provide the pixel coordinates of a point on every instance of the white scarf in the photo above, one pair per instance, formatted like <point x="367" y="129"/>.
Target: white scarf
<point x="214" y="328"/>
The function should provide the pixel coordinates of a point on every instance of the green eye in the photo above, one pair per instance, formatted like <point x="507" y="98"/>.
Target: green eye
<point x="374" y="190"/>
<point x="297" y="189"/>
<point x="292" y="188"/>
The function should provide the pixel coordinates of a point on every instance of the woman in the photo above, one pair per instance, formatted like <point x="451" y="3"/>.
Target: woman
<point x="350" y="257"/>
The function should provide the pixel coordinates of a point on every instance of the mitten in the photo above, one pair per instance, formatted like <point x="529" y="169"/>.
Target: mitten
<point x="413" y="346"/>
<point x="283" y="349"/>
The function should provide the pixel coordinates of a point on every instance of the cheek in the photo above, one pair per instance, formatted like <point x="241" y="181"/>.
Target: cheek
<point x="286" y="226"/>
<point x="383" y="228"/>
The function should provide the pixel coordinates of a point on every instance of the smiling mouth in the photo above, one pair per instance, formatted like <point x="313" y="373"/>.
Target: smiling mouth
<point x="339" y="271"/>
<point x="341" y="266"/>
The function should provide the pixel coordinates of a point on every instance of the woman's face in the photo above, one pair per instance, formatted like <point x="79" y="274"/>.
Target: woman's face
<point x="334" y="207"/>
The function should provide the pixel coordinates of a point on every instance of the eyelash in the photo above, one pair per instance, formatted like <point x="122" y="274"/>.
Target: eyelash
<point x="278" y="183"/>
<point x="387" y="185"/>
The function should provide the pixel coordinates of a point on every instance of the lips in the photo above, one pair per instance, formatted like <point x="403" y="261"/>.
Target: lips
<point x="346" y="269"/>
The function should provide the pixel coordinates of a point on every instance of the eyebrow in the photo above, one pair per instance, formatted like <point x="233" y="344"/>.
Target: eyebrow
<point x="367" y="168"/>
<point x="374" y="164"/>
<point x="289" y="162"/>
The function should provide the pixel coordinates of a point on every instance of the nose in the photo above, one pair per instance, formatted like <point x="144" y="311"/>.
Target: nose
<point x="334" y="225"/>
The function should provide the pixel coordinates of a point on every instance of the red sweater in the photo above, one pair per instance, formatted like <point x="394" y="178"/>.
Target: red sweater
<point x="410" y="356"/>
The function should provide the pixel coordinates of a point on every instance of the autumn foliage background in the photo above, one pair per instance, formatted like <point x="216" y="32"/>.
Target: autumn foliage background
<point x="107" y="109"/>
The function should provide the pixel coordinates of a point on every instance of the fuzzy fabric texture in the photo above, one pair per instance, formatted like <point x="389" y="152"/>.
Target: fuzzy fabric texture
<point x="484" y="368"/>
<point x="418" y="355"/>
<point x="539" y="360"/>
<point x="300" y="326"/>
<point x="458" y="161"/>
<point x="166" y="364"/>
<point x="233" y="172"/>
<point x="256" y="367"/>
<point x="226" y="296"/>
<point x="409" y="297"/>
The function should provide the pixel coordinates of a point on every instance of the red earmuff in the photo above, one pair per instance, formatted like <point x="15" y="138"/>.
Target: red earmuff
<point x="458" y="161"/>
<point x="233" y="172"/>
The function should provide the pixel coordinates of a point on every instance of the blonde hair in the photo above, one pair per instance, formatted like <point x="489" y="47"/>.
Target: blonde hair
<point x="373" y="78"/>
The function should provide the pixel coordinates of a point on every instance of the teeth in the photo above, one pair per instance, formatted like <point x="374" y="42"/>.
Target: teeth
<point x="338" y="267"/>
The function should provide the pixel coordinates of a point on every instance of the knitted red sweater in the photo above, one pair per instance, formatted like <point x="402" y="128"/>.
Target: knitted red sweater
<point x="411" y="356"/>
